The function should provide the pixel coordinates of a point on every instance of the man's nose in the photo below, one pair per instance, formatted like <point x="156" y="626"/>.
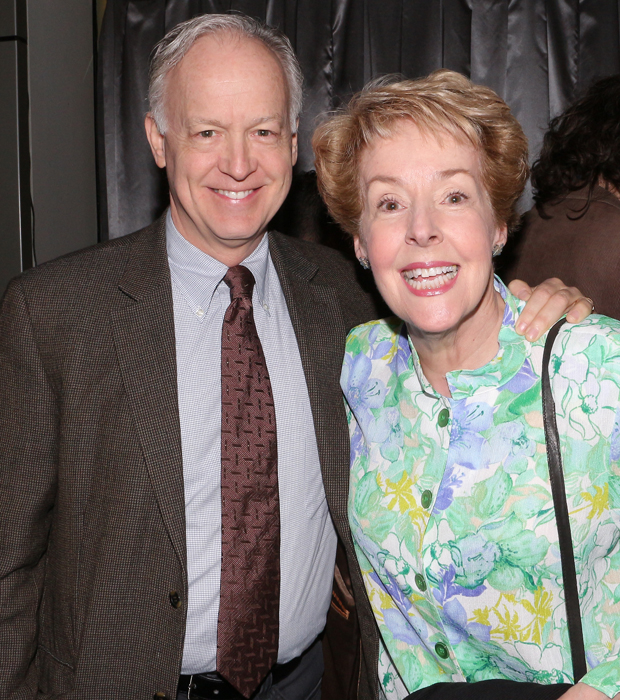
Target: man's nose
<point x="237" y="160"/>
<point x="423" y="228"/>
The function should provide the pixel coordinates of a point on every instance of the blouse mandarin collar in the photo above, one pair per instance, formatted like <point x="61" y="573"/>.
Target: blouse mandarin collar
<point x="198" y="274"/>
<point x="511" y="355"/>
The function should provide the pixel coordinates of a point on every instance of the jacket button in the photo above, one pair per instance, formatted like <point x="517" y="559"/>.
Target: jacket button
<point x="175" y="599"/>
<point x="160" y="696"/>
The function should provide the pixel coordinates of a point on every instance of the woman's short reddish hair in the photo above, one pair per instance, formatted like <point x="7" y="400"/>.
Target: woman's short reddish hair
<point x="445" y="102"/>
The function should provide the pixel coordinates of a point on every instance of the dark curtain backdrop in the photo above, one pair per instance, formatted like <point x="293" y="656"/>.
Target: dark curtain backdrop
<point x="538" y="55"/>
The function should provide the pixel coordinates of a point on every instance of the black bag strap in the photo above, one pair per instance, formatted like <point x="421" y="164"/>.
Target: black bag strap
<point x="556" y="476"/>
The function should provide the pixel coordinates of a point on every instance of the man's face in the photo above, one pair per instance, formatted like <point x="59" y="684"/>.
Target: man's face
<point x="228" y="148"/>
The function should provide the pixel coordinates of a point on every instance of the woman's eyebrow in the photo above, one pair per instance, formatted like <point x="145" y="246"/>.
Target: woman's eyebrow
<point x="441" y="175"/>
<point x="445" y="174"/>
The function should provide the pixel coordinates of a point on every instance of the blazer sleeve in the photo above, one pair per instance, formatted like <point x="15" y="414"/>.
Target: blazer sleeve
<point x="28" y="457"/>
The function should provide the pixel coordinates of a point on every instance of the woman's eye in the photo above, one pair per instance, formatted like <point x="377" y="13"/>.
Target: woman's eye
<point x="456" y="198"/>
<point x="389" y="205"/>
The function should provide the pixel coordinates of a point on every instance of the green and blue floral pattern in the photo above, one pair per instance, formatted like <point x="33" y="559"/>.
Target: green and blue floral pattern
<point x="452" y="514"/>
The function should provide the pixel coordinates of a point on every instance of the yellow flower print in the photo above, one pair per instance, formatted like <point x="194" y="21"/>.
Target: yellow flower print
<point x="509" y="625"/>
<point x="402" y="493"/>
<point x="386" y="600"/>
<point x="542" y="610"/>
<point x="481" y="615"/>
<point x="599" y="502"/>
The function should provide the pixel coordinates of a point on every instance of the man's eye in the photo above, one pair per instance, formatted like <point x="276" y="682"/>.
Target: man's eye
<point x="264" y="132"/>
<point x="207" y="134"/>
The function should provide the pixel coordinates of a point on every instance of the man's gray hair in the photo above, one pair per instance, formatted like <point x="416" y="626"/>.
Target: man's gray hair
<point x="179" y="40"/>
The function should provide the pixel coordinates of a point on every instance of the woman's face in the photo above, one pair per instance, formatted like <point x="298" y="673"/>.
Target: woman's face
<point x="427" y="228"/>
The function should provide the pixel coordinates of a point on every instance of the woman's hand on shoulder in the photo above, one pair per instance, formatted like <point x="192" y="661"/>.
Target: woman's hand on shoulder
<point x="546" y="304"/>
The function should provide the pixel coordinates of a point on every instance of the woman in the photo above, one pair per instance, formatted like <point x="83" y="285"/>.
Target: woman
<point x="450" y="505"/>
<point x="574" y="229"/>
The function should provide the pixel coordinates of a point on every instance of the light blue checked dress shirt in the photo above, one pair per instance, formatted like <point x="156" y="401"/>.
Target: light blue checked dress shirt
<point x="308" y="540"/>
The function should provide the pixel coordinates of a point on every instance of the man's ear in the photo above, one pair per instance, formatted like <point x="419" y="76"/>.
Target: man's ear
<point x="156" y="140"/>
<point x="294" y="144"/>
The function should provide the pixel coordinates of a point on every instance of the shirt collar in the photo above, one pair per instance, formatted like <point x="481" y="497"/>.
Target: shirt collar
<point x="198" y="275"/>
<point x="511" y="361"/>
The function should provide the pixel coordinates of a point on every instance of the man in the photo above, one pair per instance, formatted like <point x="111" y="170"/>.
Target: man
<point x="112" y="415"/>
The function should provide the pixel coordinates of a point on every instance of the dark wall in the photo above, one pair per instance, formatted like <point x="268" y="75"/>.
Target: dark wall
<point x="536" y="54"/>
<point x="62" y="125"/>
<point x="48" y="192"/>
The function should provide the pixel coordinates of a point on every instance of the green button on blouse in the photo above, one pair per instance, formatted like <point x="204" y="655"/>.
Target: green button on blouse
<point x="427" y="499"/>
<point x="420" y="582"/>
<point x="442" y="650"/>
<point x="443" y="418"/>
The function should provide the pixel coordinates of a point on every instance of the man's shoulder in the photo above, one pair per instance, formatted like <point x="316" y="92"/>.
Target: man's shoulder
<point x="326" y="265"/>
<point x="93" y="266"/>
<point x="320" y="254"/>
<point x="355" y="288"/>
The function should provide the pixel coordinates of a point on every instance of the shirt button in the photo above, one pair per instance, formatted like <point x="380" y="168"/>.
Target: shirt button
<point x="420" y="582"/>
<point x="200" y="313"/>
<point x="427" y="499"/>
<point x="175" y="599"/>
<point x="160" y="696"/>
<point x="442" y="650"/>
<point x="443" y="418"/>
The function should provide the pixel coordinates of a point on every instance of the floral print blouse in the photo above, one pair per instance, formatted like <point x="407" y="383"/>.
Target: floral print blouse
<point x="452" y="514"/>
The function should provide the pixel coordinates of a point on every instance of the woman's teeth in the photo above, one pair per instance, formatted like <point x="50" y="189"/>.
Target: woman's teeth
<point x="430" y="277"/>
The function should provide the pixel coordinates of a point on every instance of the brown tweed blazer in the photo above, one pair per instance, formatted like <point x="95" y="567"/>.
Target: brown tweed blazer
<point x="91" y="486"/>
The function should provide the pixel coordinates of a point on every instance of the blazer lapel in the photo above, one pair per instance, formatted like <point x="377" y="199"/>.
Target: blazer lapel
<point x="320" y="330"/>
<point x="144" y="336"/>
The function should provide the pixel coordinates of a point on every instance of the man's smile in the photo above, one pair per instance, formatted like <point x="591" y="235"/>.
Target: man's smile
<point x="231" y="194"/>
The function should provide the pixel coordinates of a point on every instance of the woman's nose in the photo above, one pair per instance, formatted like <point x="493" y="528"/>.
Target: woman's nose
<point x="422" y="228"/>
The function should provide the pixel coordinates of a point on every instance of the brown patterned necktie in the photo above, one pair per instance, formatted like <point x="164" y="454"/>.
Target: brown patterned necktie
<point x="247" y="628"/>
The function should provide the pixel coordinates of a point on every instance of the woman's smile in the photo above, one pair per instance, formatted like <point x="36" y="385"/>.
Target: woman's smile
<point x="430" y="279"/>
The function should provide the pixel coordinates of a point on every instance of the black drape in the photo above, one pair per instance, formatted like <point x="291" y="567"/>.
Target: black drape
<point x="538" y="55"/>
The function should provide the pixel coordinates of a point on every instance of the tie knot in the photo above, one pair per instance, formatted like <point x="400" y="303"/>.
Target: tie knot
<point x="241" y="282"/>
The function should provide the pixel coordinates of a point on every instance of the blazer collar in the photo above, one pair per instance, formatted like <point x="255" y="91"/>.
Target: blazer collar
<point x="317" y="319"/>
<point x="144" y="337"/>
<point x="287" y="259"/>
<point x="149" y="262"/>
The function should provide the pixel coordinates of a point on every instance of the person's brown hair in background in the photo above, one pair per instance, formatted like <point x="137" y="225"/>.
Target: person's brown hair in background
<point x="573" y="232"/>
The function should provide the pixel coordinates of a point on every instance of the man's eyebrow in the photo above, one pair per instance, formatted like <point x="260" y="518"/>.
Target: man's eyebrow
<point x="205" y="121"/>
<point x="270" y="118"/>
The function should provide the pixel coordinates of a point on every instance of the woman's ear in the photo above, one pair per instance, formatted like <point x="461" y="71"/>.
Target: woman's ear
<point x="360" y="249"/>
<point x="501" y="236"/>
